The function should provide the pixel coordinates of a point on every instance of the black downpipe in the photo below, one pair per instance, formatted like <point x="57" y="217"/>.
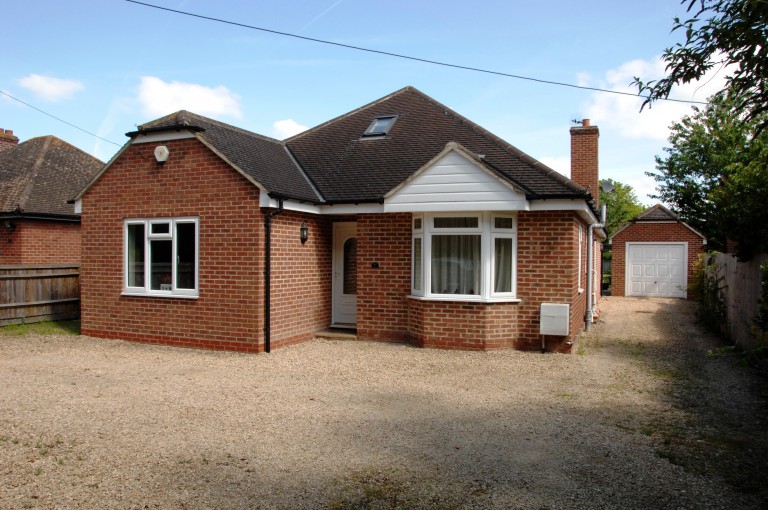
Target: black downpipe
<point x="268" y="272"/>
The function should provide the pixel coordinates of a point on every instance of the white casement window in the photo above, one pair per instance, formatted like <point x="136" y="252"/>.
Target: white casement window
<point x="467" y="256"/>
<point x="161" y="257"/>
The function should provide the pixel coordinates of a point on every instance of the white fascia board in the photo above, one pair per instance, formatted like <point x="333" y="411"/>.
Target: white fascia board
<point x="290" y="205"/>
<point x="457" y="207"/>
<point x="566" y="204"/>
<point x="79" y="206"/>
<point x="163" y="137"/>
<point x="352" y="209"/>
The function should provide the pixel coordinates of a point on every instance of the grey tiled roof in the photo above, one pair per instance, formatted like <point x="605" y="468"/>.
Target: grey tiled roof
<point x="39" y="176"/>
<point x="334" y="163"/>
<point x="348" y="167"/>
<point x="264" y="159"/>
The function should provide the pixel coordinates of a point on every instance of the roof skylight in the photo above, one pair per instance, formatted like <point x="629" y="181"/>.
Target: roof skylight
<point x="380" y="125"/>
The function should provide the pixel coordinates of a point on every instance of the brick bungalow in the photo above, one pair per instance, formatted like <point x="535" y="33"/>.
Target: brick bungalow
<point x="654" y="255"/>
<point x="401" y="220"/>
<point x="37" y="225"/>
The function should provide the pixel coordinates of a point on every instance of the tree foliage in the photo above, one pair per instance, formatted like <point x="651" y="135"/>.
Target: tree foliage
<point x="720" y="33"/>
<point x="621" y="206"/>
<point x="715" y="175"/>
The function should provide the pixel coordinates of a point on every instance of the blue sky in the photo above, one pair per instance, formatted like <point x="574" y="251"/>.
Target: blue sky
<point x="108" y="65"/>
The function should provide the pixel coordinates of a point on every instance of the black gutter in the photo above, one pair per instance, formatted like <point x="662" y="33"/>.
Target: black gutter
<point x="282" y="196"/>
<point x="74" y="218"/>
<point x="268" y="272"/>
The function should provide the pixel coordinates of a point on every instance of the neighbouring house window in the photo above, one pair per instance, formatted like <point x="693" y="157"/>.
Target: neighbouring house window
<point x="161" y="256"/>
<point x="470" y="255"/>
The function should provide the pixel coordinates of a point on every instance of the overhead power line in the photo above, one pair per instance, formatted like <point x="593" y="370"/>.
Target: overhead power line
<point x="407" y="57"/>
<point x="57" y="118"/>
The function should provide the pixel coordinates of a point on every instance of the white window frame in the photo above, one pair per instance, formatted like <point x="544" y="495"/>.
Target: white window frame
<point x="172" y="236"/>
<point x="488" y="234"/>
<point x="581" y="245"/>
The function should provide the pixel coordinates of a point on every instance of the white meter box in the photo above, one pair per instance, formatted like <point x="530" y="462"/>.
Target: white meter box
<point x="554" y="320"/>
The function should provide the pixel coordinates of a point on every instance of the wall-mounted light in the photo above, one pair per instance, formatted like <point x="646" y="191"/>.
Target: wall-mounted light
<point x="161" y="154"/>
<point x="9" y="225"/>
<point x="303" y="233"/>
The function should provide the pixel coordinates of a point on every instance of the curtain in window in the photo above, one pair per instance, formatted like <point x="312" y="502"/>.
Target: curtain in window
<point x="456" y="264"/>
<point x="502" y="272"/>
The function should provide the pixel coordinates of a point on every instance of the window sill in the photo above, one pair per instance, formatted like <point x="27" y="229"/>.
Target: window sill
<point x="159" y="295"/>
<point x="467" y="299"/>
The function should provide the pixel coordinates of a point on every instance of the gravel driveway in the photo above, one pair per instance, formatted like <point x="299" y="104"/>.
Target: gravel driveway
<point x="636" y="417"/>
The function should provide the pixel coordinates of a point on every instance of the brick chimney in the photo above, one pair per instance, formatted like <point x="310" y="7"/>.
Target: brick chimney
<point x="584" y="163"/>
<point x="7" y="139"/>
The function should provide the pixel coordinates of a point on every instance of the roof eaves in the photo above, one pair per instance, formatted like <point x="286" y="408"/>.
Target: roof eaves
<point x="20" y="215"/>
<point x="163" y="129"/>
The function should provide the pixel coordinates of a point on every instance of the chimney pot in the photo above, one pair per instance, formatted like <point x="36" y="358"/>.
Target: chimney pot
<point x="7" y="140"/>
<point x="585" y="123"/>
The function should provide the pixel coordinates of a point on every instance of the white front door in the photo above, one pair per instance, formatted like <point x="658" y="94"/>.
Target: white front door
<point x="657" y="269"/>
<point x="344" y="274"/>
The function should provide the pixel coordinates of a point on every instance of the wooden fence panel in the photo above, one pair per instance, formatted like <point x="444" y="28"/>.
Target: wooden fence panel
<point x="35" y="293"/>
<point x="741" y="285"/>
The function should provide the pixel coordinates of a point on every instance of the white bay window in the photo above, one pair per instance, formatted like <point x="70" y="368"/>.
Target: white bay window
<point x="466" y="256"/>
<point x="161" y="257"/>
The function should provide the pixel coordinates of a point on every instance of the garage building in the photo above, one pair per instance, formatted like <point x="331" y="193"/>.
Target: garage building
<point x="653" y="255"/>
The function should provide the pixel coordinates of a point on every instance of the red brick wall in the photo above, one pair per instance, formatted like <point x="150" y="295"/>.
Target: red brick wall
<point x="584" y="158"/>
<point x="548" y="273"/>
<point x="194" y="182"/>
<point x="465" y="326"/>
<point x="301" y="277"/>
<point x="382" y="305"/>
<point x="658" y="232"/>
<point x="40" y="242"/>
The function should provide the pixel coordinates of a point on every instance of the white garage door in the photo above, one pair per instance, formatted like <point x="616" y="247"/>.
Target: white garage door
<point x="657" y="269"/>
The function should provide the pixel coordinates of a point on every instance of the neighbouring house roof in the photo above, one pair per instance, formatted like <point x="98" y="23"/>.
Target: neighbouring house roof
<point x="657" y="213"/>
<point x="265" y="160"/>
<point x="38" y="176"/>
<point x="347" y="166"/>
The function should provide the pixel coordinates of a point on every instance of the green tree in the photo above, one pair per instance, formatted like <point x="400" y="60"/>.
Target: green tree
<point x="715" y="175"/>
<point x="621" y="206"/>
<point x="721" y="33"/>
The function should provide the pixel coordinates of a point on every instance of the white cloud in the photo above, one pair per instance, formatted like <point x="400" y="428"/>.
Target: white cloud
<point x="50" y="88"/>
<point x="622" y="113"/>
<point x="159" y="98"/>
<point x="561" y="165"/>
<point x="286" y="128"/>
